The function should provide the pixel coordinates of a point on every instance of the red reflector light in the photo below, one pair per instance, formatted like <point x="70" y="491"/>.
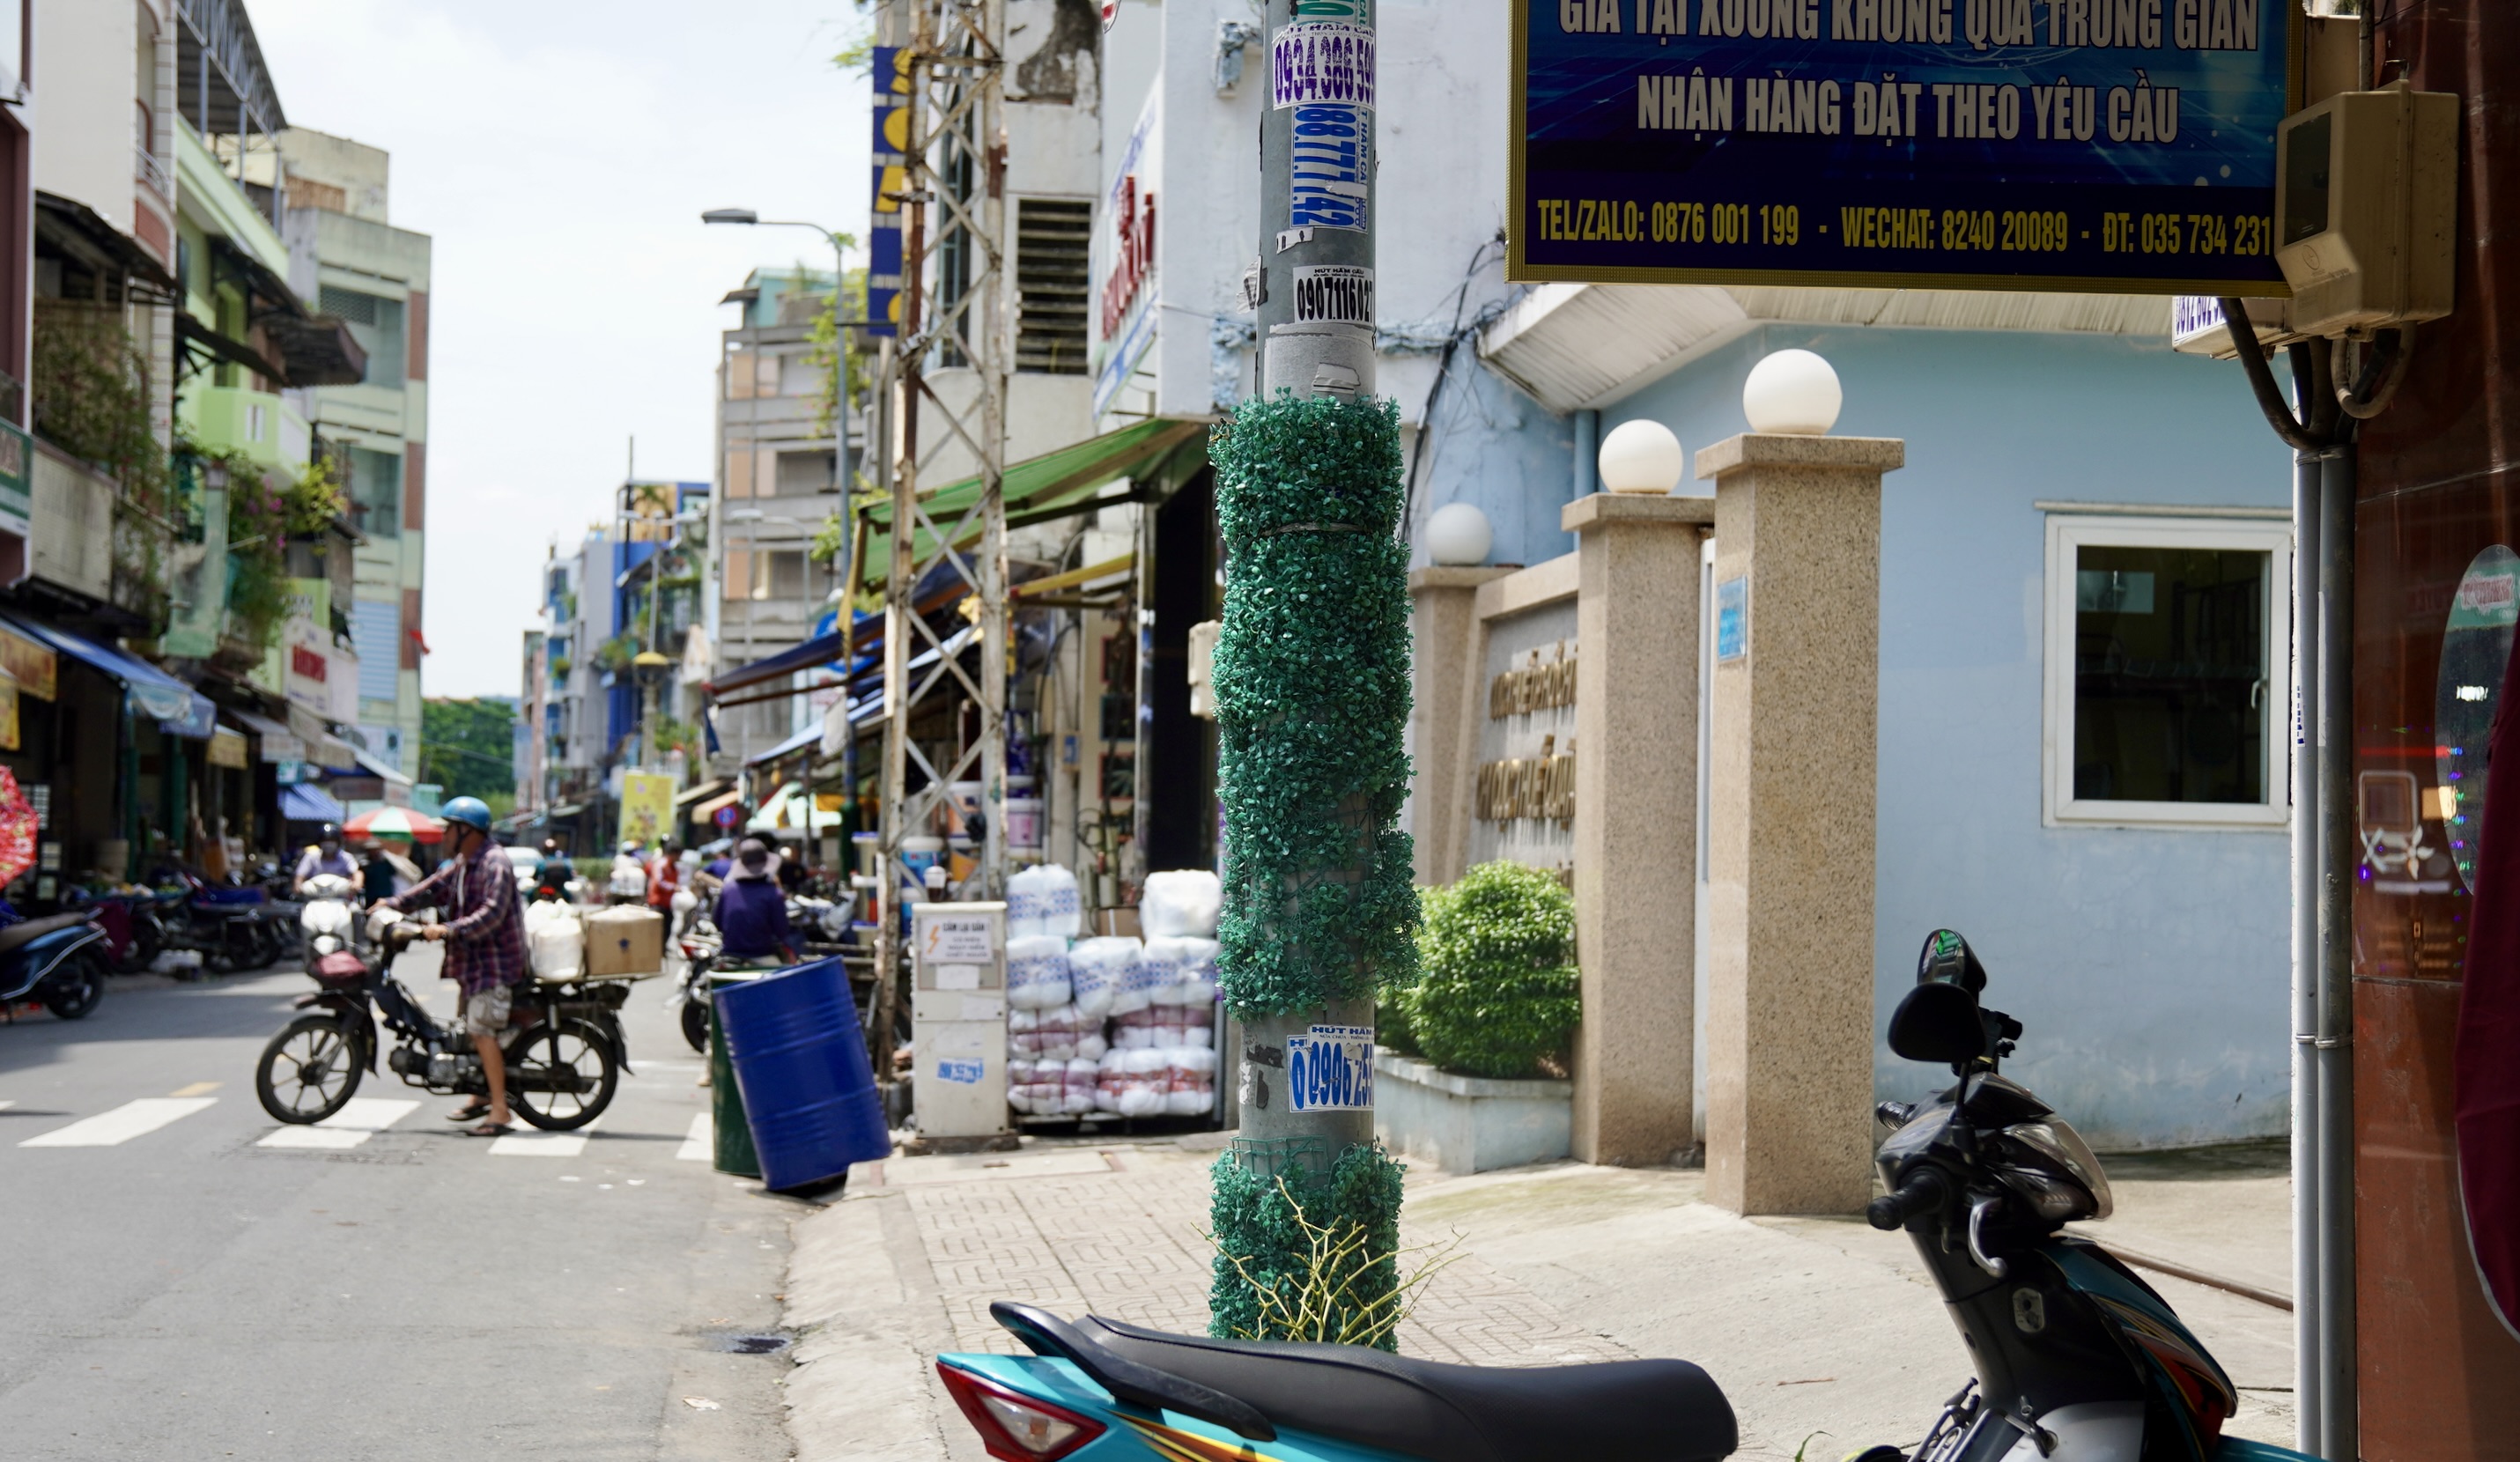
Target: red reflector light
<point x="1016" y="1428"/>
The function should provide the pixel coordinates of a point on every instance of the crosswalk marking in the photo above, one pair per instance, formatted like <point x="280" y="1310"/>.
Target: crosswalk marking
<point x="541" y="1144"/>
<point x="360" y="1118"/>
<point x="699" y="1142"/>
<point x="133" y="1119"/>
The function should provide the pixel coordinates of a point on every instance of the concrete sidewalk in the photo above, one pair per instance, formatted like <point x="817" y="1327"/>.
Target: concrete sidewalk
<point x="1814" y="1326"/>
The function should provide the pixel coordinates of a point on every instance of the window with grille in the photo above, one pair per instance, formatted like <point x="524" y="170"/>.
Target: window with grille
<point x="376" y="493"/>
<point x="376" y="322"/>
<point x="1053" y="283"/>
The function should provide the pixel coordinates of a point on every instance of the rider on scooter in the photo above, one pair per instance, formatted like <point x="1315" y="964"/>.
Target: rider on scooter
<point x="485" y="938"/>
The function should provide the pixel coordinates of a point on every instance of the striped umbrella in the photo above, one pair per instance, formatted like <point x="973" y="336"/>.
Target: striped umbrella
<point x="395" y="821"/>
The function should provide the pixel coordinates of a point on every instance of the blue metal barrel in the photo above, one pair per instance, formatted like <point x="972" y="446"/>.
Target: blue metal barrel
<point x="800" y="1060"/>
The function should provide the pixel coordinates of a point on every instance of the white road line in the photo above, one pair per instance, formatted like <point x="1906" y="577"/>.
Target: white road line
<point x="133" y="1119"/>
<point x="360" y="1118"/>
<point x="6" y="1105"/>
<point x="541" y="1144"/>
<point x="698" y="1143"/>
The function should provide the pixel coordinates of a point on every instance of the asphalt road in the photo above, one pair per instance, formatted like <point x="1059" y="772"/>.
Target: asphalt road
<point x="181" y="1289"/>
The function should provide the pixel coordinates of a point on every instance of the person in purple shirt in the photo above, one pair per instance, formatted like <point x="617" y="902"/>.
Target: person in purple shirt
<point x="485" y="944"/>
<point x="751" y="910"/>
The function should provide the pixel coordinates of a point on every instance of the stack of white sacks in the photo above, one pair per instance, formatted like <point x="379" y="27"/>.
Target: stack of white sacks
<point x="1120" y="1025"/>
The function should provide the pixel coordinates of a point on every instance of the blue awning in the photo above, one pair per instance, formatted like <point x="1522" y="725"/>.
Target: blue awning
<point x="153" y="693"/>
<point x="301" y="803"/>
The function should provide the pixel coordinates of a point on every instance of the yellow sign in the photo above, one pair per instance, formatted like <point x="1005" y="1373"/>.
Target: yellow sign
<point x="646" y="807"/>
<point x="8" y="713"/>
<point x="227" y="748"/>
<point x="30" y="664"/>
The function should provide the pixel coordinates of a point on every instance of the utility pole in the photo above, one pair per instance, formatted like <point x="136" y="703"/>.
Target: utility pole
<point x="954" y="197"/>
<point x="1312" y="697"/>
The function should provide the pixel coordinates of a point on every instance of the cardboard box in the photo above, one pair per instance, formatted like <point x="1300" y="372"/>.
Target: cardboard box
<point x="624" y="941"/>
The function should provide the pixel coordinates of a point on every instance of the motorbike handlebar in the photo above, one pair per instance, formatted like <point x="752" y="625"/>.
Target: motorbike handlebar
<point x="1923" y="1191"/>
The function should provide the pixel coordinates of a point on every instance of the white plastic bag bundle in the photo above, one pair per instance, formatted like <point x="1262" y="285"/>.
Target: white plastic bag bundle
<point x="1058" y="1033"/>
<point x="1135" y="1031"/>
<point x="1198" y="971"/>
<point x="1091" y="982"/>
<point x="1090" y="1041"/>
<point x="1044" y="900"/>
<point x="1142" y="1082"/>
<point x="1109" y="1076"/>
<point x="1023" y="1034"/>
<point x="1190" y="1081"/>
<point x="1118" y="966"/>
<point x="1020" y="1083"/>
<point x="1037" y="973"/>
<point x="1077" y="1093"/>
<point x="555" y="941"/>
<point x="1202" y="1035"/>
<point x="1183" y="969"/>
<point x="1180" y="904"/>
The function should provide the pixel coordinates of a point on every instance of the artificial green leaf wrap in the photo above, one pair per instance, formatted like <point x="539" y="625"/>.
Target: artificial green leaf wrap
<point x="1312" y="698"/>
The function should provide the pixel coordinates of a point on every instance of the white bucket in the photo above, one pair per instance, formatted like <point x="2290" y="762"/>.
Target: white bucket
<point x="919" y="854"/>
<point x="1025" y="824"/>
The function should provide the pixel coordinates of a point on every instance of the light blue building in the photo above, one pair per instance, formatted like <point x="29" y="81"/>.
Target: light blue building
<point x="2084" y="657"/>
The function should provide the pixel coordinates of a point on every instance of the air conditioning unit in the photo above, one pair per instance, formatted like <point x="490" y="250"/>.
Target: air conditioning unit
<point x="2367" y="202"/>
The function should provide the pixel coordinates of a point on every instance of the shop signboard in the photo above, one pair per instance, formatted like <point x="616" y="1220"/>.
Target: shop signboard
<point x="8" y="714"/>
<point x="17" y="479"/>
<point x="30" y="664"/>
<point x="891" y="177"/>
<point x="2122" y="146"/>
<point x="646" y="807"/>
<point x="1124" y="262"/>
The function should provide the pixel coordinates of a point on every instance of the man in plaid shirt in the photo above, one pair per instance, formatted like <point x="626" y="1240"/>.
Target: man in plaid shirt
<point x="485" y="944"/>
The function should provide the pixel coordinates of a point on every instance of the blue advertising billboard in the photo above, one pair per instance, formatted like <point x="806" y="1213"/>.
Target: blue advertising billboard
<point x="2118" y="146"/>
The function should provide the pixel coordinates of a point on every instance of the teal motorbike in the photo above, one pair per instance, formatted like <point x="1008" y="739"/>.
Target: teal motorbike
<point x="2077" y="1358"/>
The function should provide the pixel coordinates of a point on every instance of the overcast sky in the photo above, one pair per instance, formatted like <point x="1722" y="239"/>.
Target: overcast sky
<point x="561" y="153"/>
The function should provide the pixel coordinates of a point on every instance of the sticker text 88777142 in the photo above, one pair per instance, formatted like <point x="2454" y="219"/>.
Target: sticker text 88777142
<point x="1331" y="167"/>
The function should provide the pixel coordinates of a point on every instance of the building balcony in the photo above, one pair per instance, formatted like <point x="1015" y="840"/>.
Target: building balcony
<point x="72" y="542"/>
<point x="258" y="423"/>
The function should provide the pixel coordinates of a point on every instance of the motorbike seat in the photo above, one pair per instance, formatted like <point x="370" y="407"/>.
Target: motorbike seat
<point x="1635" y="1411"/>
<point x="20" y="935"/>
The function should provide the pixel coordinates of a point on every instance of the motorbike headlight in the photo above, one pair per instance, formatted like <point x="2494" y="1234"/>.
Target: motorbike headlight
<point x="325" y="944"/>
<point x="2061" y="1150"/>
<point x="326" y="917"/>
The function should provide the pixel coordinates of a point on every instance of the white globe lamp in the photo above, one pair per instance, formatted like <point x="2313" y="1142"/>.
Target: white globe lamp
<point x="1793" y="393"/>
<point x="1642" y="457"/>
<point x="1457" y="536"/>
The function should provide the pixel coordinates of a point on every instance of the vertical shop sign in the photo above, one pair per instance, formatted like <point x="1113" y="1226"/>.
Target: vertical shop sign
<point x="2082" y="145"/>
<point x="890" y="169"/>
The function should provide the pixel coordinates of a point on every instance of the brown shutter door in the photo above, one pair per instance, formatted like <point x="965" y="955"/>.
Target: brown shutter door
<point x="414" y="487"/>
<point x="411" y="637"/>
<point x="417" y="333"/>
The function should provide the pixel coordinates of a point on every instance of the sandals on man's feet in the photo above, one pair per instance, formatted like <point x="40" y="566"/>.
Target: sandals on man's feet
<point x="490" y="1130"/>
<point x="471" y="1112"/>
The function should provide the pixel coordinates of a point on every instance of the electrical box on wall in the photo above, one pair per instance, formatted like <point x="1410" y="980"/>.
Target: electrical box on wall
<point x="2366" y="200"/>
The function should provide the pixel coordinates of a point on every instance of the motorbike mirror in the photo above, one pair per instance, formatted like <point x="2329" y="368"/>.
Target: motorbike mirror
<point x="1949" y="961"/>
<point x="1938" y="1022"/>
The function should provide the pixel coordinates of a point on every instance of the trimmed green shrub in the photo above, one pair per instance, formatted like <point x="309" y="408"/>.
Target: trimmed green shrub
<point x="1496" y="987"/>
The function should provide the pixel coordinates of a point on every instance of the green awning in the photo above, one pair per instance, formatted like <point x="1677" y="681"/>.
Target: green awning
<point x="1055" y="484"/>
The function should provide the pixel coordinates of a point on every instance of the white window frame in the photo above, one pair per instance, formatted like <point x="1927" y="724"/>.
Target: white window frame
<point x="2067" y="535"/>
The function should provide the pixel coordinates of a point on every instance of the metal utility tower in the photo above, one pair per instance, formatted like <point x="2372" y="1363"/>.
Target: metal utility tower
<point x="945" y="371"/>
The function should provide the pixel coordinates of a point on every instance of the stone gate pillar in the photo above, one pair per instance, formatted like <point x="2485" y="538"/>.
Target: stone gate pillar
<point x="1790" y="847"/>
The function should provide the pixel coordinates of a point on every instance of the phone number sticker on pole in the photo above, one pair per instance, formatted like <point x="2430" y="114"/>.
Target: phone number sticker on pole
<point x="2108" y="145"/>
<point x="1331" y="1068"/>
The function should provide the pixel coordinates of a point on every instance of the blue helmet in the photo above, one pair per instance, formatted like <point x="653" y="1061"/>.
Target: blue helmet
<point x="472" y="812"/>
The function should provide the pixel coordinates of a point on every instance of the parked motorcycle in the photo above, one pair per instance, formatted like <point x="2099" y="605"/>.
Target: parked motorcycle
<point x="564" y="1050"/>
<point x="59" y="959"/>
<point x="132" y="938"/>
<point x="235" y="928"/>
<point x="2078" y="1359"/>
<point x="689" y="999"/>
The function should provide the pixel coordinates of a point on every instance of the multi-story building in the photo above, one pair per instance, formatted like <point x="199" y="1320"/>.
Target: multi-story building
<point x="359" y="268"/>
<point x="781" y="472"/>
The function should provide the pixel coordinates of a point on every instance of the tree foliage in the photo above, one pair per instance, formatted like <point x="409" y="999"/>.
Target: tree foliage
<point x="1496" y="987"/>
<point x="468" y="747"/>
